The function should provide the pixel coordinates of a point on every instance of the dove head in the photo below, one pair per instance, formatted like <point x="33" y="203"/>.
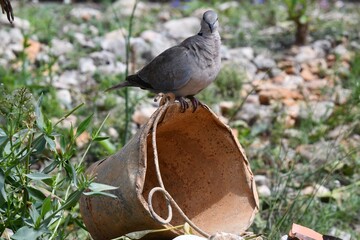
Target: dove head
<point x="209" y="23"/>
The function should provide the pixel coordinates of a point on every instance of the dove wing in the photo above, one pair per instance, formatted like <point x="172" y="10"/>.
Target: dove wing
<point x="169" y="71"/>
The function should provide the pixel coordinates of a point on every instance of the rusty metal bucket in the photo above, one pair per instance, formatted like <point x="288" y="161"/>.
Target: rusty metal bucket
<point x="203" y="167"/>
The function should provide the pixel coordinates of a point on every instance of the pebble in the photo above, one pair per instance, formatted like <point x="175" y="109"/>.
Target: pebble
<point x="264" y="191"/>
<point x="264" y="63"/>
<point x="115" y="42"/>
<point x="86" y="65"/>
<point x="317" y="110"/>
<point x="318" y="190"/>
<point x="85" y="13"/>
<point x="64" y="98"/>
<point x="61" y="47"/>
<point x="182" y="28"/>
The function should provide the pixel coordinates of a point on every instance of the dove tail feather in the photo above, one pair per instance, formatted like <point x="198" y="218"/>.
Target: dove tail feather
<point x="132" y="81"/>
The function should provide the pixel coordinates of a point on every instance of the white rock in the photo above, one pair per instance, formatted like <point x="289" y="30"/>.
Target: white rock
<point x="86" y="65"/>
<point x="17" y="23"/>
<point x="264" y="191"/>
<point x="61" y="47"/>
<point x="306" y="53"/>
<point x="318" y="190"/>
<point x="5" y="38"/>
<point x="264" y="63"/>
<point x="142" y="115"/>
<point x="317" y="111"/>
<point x="341" y="50"/>
<point x="125" y="8"/>
<point x="157" y="41"/>
<point x="182" y="28"/>
<point x="228" y="5"/>
<point x="261" y="180"/>
<point x="242" y="52"/>
<point x="85" y="13"/>
<point x="16" y="36"/>
<point x="64" y="97"/>
<point x="67" y="80"/>
<point x="293" y="82"/>
<point x="83" y="40"/>
<point x="340" y="234"/>
<point x="115" y="42"/>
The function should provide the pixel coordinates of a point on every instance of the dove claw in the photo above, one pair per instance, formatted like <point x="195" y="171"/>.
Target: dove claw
<point x="195" y="102"/>
<point x="183" y="103"/>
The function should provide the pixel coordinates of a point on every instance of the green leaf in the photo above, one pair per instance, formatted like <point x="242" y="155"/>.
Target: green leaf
<point x="51" y="143"/>
<point x="99" y="139"/>
<point x="100" y="194"/>
<point x="27" y="233"/>
<point x="83" y="125"/>
<point x="3" y="136"/>
<point x="38" y="176"/>
<point x="62" y="144"/>
<point x="100" y="187"/>
<point x="46" y="206"/>
<point x="70" y="170"/>
<point x="39" y="116"/>
<point x="3" y="197"/>
<point x="50" y="167"/>
<point x="35" y="193"/>
<point x="35" y="216"/>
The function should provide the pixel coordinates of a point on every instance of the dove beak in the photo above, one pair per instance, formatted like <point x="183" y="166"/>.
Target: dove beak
<point x="211" y="26"/>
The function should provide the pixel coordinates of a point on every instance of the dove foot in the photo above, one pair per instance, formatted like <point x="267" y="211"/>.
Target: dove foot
<point x="183" y="103"/>
<point x="196" y="103"/>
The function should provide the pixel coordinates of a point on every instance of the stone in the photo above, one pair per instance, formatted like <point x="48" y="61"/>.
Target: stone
<point x="113" y="133"/>
<point x="264" y="63"/>
<point x="125" y="8"/>
<point x="305" y="54"/>
<point x="140" y="49"/>
<point x="84" y="41"/>
<point x="225" y="236"/>
<point x="143" y="114"/>
<point x="106" y="63"/>
<point x="317" y="84"/>
<point x="317" y="190"/>
<point x="5" y="38"/>
<point x="67" y="80"/>
<point x="340" y="234"/>
<point x="292" y="82"/>
<point x="264" y="191"/>
<point x="85" y="13"/>
<point x="158" y="42"/>
<point x="228" y="5"/>
<point x="86" y="65"/>
<point x="242" y="52"/>
<point x="115" y="42"/>
<point x="307" y="75"/>
<point x="321" y="152"/>
<point x="16" y="36"/>
<point x="243" y="65"/>
<point x="265" y="96"/>
<point x="64" y="97"/>
<point x="226" y="106"/>
<point x="182" y="28"/>
<point x="339" y="132"/>
<point x="18" y="23"/>
<point x="322" y="44"/>
<point x="261" y="180"/>
<point x="33" y="50"/>
<point x="342" y="95"/>
<point x="317" y="111"/>
<point x="61" y="47"/>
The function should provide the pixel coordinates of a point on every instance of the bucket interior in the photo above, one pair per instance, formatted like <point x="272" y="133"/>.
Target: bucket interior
<point x="204" y="170"/>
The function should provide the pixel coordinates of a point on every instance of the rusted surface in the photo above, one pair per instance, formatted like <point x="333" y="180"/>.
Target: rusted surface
<point x="203" y="167"/>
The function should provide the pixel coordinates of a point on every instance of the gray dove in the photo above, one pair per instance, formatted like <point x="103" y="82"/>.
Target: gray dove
<point x="184" y="69"/>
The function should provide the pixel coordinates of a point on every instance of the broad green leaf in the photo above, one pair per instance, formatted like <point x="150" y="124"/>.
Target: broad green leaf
<point x="51" y="143"/>
<point x="100" y="194"/>
<point x="38" y="176"/>
<point x="83" y="125"/>
<point x="35" y="193"/>
<point x="99" y="187"/>
<point x="62" y="144"/>
<point x="35" y="215"/>
<point x="70" y="170"/>
<point x="39" y="116"/>
<point x="46" y="206"/>
<point x="27" y="233"/>
<point x="50" y="167"/>
<point x="40" y="144"/>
